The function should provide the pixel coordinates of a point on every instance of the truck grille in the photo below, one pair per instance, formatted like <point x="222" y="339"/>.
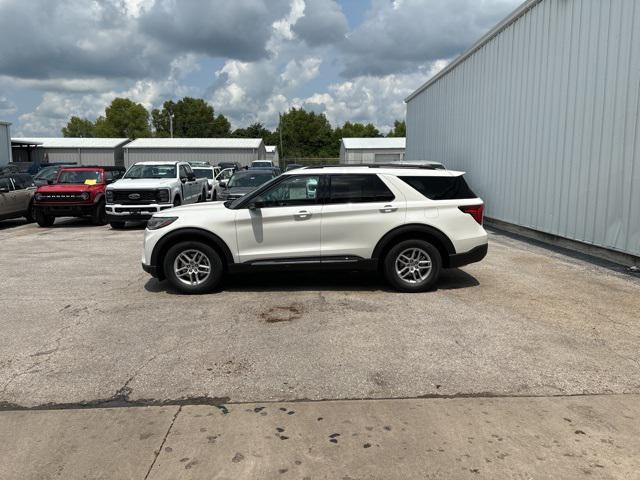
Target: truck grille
<point x="60" y="197"/>
<point x="135" y="197"/>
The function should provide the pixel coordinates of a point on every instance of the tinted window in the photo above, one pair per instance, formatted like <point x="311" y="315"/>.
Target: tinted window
<point x="203" y="173"/>
<point x="48" y="173"/>
<point x="295" y="190"/>
<point x="358" y="189"/>
<point x="249" y="179"/>
<point x="183" y="172"/>
<point x="112" y="175"/>
<point x="441" y="188"/>
<point x="23" y="181"/>
<point x="151" y="171"/>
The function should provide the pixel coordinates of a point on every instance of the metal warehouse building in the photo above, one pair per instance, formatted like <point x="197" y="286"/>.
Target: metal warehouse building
<point x="543" y="115"/>
<point x="83" y="151"/>
<point x="372" y="150"/>
<point x="272" y="154"/>
<point x="212" y="150"/>
<point x="5" y="143"/>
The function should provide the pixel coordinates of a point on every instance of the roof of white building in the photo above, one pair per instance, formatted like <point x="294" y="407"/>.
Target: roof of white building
<point x="68" y="142"/>
<point x="223" y="143"/>
<point x="377" y="143"/>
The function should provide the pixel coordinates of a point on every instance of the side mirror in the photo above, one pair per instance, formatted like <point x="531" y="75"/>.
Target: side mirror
<point x="183" y="179"/>
<point x="256" y="205"/>
<point x="223" y="183"/>
<point x="191" y="178"/>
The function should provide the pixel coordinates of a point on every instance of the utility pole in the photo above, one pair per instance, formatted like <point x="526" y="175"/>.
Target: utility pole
<point x="280" y="130"/>
<point x="171" y="124"/>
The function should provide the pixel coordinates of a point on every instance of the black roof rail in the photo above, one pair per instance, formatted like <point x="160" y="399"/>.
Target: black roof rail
<point x="434" y="166"/>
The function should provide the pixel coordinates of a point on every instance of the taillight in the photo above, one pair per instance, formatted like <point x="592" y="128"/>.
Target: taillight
<point x="476" y="211"/>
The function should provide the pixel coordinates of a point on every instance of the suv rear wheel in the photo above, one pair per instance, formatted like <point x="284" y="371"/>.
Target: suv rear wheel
<point x="412" y="266"/>
<point x="193" y="267"/>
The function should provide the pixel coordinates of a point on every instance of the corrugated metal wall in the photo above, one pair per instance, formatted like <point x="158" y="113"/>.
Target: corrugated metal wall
<point x="5" y="144"/>
<point x="81" y="156"/>
<point x="545" y="120"/>
<point x="213" y="156"/>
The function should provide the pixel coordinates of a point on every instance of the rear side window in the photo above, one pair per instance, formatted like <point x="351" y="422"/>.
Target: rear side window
<point x="358" y="189"/>
<point x="441" y="188"/>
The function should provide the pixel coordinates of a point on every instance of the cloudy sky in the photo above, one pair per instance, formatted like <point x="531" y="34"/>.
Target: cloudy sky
<point x="352" y="59"/>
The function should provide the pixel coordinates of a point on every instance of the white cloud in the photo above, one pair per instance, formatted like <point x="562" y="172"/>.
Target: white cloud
<point x="7" y="107"/>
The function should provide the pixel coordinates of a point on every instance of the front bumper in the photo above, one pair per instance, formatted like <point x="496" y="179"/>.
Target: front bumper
<point x="472" y="256"/>
<point x="121" y="213"/>
<point x="66" y="210"/>
<point x="151" y="270"/>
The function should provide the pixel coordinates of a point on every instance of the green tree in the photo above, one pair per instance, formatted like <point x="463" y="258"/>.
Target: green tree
<point x="306" y="134"/>
<point x="358" y="130"/>
<point x="79" y="127"/>
<point x="192" y="118"/>
<point x="258" y="130"/>
<point x="399" y="129"/>
<point x="124" y="118"/>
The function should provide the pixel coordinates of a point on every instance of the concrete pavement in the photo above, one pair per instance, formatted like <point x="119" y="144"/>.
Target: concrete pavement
<point x="466" y="438"/>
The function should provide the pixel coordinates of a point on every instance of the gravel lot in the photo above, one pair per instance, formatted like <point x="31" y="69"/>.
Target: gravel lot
<point x="82" y="323"/>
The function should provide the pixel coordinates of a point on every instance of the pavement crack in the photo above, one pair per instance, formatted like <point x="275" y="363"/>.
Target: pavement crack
<point x="166" y="435"/>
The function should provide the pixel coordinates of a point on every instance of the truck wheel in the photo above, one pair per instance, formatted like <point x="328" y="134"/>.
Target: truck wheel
<point x="193" y="267"/>
<point x="412" y="266"/>
<point x="214" y="195"/>
<point x="43" y="219"/>
<point x="177" y="202"/>
<point x="99" y="215"/>
<point x="203" y="197"/>
<point x="31" y="213"/>
<point x="117" y="225"/>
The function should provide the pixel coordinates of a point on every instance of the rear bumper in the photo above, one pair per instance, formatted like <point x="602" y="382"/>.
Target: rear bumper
<point x="472" y="256"/>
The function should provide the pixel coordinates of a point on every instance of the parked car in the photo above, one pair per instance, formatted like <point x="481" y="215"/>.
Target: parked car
<point x="76" y="192"/>
<point x="246" y="181"/>
<point x="150" y="187"/>
<point x="210" y="174"/>
<point x="47" y="175"/>
<point x="16" y="196"/>
<point x="293" y="166"/>
<point x="262" y="164"/>
<point x="407" y="222"/>
<point x="233" y="165"/>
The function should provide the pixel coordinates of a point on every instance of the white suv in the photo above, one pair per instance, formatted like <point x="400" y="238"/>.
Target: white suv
<point x="408" y="222"/>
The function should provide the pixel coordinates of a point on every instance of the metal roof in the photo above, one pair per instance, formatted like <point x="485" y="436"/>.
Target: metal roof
<point x="222" y="143"/>
<point x="506" y="23"/>
<point x="271" y="148"/>
<point x="68" y="142"/>
<point x="378" y="143"/>
<point x="2" y="122"/>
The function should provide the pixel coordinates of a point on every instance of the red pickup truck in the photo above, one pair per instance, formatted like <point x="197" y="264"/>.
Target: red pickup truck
<point x="76" y="192"/>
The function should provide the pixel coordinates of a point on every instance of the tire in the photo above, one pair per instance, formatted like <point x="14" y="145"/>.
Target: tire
<point x="117" y="225"/>
<point x="99" y="214"/>
<point x="31" y="213"/>
<point x="44" y="220"/>
<point x="201" y="254"/>
<point x="214" y="195"/>
<point x="202" y="197"/>
<point x="177" y="202"/>
<point x="415" y="277"/>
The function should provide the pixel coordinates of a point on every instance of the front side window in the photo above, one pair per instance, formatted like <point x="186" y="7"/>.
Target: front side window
<point x="23" y="181"/>
<point x="79" y="177"/>
<point x="358" y="189"/>
<point x="441" y="188"/>
<point x="183" y="171"/>
<point x="5" y="184"/>
<point x="295" y="190"/>
<point x="151" y="171"/>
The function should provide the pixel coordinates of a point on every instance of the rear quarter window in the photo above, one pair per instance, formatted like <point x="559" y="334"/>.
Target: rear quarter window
<point x="441" y="188"/>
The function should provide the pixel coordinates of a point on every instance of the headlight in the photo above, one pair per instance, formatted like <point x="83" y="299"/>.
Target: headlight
<point x="109" y="195"/>
<point x="160" y="222"/>
<point x="84" y="195"/>
<point x="163" y="196"/>
<point x="39" y="196"/>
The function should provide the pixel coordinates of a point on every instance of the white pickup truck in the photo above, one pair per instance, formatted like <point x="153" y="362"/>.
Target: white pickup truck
<point x="150" y="187"/>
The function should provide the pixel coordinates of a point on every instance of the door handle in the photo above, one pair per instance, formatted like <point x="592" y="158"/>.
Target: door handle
<point x="302" y="215"/>
<point x="388" y="209"/>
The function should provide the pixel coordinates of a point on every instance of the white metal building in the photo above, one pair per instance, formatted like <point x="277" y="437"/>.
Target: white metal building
<point x="372" y="150"/>
<point x="83" y="151"/>
<point x="272" y="154"/>
<point x="212" y="150"/>
<point x="543" y="115"/>
<point x="5" y="143"/>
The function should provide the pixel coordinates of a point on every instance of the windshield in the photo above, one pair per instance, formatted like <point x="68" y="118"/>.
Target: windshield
<point x="88" y="177"/>
<point x="249" y="179"/>
<point x="203" y="173"/>
<point x="151" y="171"/>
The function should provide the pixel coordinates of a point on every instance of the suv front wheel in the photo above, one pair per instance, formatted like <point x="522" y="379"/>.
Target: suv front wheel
<point x="193" y="267"/>
<point x="412" y="266"/>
